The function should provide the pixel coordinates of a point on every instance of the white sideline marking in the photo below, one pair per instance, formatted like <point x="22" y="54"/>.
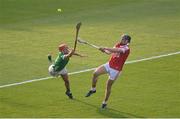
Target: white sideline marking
<point x="86" y="70"/>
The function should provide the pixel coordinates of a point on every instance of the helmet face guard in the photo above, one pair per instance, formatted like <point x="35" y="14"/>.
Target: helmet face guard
<point x="126" y="37"/>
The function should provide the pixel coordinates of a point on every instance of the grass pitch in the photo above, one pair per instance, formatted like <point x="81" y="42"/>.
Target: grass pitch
<point x="29" y="30"/>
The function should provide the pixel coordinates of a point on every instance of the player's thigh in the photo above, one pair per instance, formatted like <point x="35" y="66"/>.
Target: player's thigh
<point x="52" y="72"/>
<point x="100" y="70"/>
<point x="64" y="74"/>
<point x="114" y="74"/>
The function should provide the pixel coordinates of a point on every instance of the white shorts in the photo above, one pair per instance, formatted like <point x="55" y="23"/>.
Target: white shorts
<point x="113" y="74"/>
<point x="56" y="73"/>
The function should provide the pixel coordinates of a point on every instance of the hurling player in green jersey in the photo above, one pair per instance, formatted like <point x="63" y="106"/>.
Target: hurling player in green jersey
<point x="58" y="67"/>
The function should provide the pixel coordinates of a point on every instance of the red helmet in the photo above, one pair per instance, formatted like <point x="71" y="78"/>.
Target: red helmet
<point x="62" y="47"/>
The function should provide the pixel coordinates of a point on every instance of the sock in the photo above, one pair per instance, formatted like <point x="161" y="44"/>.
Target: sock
<point x="93" y="89"/>
<point x="104" y="102"/>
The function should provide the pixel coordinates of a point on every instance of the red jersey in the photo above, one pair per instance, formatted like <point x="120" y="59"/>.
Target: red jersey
<point x="117" y="60"/>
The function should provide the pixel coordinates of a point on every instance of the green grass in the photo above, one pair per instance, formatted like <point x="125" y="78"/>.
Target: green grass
<point x="146" y="92"/>
<point x="31" y="29"/>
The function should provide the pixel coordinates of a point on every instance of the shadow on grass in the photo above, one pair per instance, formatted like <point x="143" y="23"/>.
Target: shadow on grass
<point x="109" y="112"/>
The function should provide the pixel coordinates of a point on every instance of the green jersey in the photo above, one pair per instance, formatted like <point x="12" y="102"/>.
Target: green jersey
<point x="60" y="62"/>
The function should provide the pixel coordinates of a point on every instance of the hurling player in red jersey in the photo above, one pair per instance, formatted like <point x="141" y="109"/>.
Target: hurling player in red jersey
<point x="113" y="67"/>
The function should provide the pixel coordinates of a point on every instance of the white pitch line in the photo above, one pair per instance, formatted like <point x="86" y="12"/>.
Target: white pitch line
<point x="86" y="70"/>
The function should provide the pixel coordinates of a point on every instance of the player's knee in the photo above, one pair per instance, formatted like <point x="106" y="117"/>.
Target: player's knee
<point x="95" y="74"/>
<point x="66" y="81"/>
<point x="52" y="72"/>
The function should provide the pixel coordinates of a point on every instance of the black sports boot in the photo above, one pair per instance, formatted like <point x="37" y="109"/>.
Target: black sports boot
<point x="90" y="93"/>
<point x="69" y="94"/>
<point x="103" y="106"/>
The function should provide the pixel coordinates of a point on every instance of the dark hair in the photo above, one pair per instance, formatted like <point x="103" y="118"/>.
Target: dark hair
<point x="127" y="37"/>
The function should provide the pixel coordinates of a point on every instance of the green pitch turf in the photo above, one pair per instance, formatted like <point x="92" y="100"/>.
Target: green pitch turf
<point x="30" y="29"/>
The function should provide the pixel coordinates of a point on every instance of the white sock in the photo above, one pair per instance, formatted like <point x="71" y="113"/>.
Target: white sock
<point x="104" y="102"/>
<point x="93" y="89"/>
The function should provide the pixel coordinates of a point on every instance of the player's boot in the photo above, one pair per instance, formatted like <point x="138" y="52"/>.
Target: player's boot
<point x="103" y="106"/>
<point x="90" y="93"/>
<point x="69" y="94"/>
<point x="49" y="58"/>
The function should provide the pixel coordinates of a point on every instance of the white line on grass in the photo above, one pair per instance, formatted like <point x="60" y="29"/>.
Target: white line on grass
<point x="86" y="70"/>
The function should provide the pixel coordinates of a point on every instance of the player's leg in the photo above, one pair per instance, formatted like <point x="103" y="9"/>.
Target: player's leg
<point x="65" y="77"/>
<point x="66" y="81"/>
<point x="107" y="92"/>
<point x="51" y="71"/>
<point x="99" y="71"/>
<point x="67" y="85"/>
<point x="113" y="75"/>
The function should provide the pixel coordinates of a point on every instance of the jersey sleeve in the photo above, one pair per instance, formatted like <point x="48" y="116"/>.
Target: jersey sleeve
<point x="63" y="56"/>
<point x="116" y="45"/>
<point x="124" y="49"/>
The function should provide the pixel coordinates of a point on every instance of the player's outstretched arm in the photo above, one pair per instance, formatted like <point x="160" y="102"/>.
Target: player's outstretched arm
<point x="112" y="50"/>
<point x="104" y="50"/>
<point x="69" y="54"/>
<point x="50" y="58"/>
